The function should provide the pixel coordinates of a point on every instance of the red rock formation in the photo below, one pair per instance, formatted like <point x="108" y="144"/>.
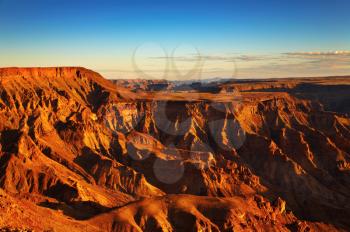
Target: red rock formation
<point x="275" y="159"/>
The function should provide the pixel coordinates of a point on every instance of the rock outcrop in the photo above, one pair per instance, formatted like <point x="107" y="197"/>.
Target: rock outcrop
<point x="97" y="155"/>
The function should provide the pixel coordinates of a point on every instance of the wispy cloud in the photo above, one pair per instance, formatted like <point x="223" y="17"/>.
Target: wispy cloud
<point x="313" y="63"/>
<point x="194" y="58"/>
<point x="318" y="54"/>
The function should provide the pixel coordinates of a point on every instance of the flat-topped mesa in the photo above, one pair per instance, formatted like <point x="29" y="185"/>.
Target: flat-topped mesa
<point x="52" y="73"/>
<point x="45" y="72"/>
<point x="62" y="75"/>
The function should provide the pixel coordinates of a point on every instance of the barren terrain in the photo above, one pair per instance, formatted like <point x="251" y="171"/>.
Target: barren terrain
<point x="82" y="153"/>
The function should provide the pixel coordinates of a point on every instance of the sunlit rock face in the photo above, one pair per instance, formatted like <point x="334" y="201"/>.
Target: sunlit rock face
<point x="86" y="153"/>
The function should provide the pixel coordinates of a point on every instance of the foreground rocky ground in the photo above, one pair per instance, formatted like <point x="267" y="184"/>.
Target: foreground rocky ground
<point x="80" y="153"/>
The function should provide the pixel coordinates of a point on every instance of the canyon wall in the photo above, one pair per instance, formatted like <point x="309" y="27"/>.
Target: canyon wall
<point x="99" y="156"/>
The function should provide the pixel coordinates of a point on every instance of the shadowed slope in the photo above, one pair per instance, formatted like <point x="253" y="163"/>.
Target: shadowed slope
<point x="73" y="141"/>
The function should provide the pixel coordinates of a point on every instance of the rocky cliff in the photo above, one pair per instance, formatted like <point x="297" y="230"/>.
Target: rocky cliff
<point x="86" y="154"/>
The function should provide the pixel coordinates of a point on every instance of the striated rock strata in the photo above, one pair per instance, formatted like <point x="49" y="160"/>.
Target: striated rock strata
<point x="85" y="154"/>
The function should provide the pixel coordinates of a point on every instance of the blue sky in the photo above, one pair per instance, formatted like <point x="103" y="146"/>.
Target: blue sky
<point x="169" y="39"/>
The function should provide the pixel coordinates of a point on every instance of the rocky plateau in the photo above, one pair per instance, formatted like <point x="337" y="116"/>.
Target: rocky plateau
<point x="79" y="152"/>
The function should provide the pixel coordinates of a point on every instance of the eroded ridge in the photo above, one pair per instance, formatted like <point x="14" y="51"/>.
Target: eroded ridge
<point x="88" y="154"/>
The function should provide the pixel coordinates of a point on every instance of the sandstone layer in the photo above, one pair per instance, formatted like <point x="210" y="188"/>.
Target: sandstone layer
<point x="80" y="153"/>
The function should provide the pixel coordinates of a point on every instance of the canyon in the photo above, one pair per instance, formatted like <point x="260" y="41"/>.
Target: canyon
<point x="79" y="152"/>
